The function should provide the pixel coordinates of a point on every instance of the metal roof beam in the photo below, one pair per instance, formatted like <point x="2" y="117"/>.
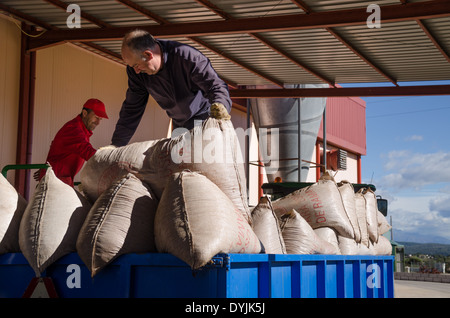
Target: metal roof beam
<point x="84" y="15"/>
<point x="434" y="40"/>
<point x="26" y="17"/>
<point x="99" y="48"/>
<point x="95" y="20"/>
<point x="45" y="44"/>
<point x="391" y="13"/>
<point x="231" y="59"/>
<point x="308" y="10"/>
<point x="267" y="43"/>
<point x="430" y="36"/>
<point x="211" y="6"/>
<point x="342" y="92"/>
<point x="141" y="10"/>
<point x="361" y="56"/>
<point x="291" y="58"/>
<point x="302" y="5"/>
<point x="161" y="20"/>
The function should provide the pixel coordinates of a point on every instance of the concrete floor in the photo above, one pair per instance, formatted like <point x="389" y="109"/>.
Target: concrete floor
<point x="420" y="289"/>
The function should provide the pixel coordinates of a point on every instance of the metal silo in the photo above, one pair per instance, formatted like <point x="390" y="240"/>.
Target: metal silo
<point x="293" y="133"/>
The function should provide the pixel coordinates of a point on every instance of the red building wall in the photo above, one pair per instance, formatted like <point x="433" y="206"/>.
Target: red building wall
<point x="346" y="124"/>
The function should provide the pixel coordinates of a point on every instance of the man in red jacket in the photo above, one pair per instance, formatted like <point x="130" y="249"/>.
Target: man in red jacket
<point x="71" y="147"/>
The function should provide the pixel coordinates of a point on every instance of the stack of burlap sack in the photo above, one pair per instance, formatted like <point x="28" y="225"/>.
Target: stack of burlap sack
<point x="330" y="218"/>
<point x="185" y="196"/>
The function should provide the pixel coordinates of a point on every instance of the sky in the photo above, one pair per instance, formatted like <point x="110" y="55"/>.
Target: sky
<point x="408" y="160"/>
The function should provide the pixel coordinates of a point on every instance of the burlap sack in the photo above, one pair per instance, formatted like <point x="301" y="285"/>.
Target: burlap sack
<point x="266" y="226"/>
<point x="383" y="225"/>
<point x="195" y="221"/>
<point x="348" y="199"/>
<point x="51" y="222"/>
<point x="372" y="214"/>
<point x="319" y="204"/>
<point x="300" y="238"/>
<point x="328" y="235"/>
<point x="360" y="204"/>
<point x="383" y="246"/>
<point x="366" y="249"/>
<point x="347" y="246"/>
<point x="211" y="149"/>
<point x="12" y="206"/>
<point x="110" y="164"/>
<point x="120" y="222"/>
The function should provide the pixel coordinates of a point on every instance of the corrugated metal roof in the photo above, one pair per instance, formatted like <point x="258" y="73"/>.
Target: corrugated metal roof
<point x="402" y="49"/>
<point x="175" y="11"/>
<point x="257" y="8"/>
<point x="413" y="50"/>
<point x="112" y="12"/>
<point x="331" y="5"/>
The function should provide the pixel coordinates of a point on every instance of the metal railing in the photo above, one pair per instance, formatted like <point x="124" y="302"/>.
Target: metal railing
<point x="27" y="166"/>
<point x="23" y="166"/>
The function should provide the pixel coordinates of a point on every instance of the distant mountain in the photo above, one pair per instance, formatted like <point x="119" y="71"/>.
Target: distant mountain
<point x="426" y="248"/>
<point x="403" y="236"/>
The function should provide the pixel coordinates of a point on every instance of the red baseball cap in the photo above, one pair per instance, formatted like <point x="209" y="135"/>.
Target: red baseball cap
<point x="97" y="106"/>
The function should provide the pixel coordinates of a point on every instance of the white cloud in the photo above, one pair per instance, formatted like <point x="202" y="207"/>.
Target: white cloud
<point x="441" y="205"/>
<point x="417" y="186"/>
<point x="415" y="170"/>
<point x="423" y="211"/>
<point x="429" y="223"/>
<point x="418" y="204"/>
<point x="414" y="138"/>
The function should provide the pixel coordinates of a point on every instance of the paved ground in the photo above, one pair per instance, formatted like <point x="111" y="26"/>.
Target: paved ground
<point x="420" y="289"/>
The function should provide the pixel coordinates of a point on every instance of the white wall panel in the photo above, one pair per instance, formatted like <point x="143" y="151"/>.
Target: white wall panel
<point x="239" y="120"/>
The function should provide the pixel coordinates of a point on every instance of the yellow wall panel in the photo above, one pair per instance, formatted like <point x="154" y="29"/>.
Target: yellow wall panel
<point x="66" y="77"/>
<point x="9" y="91"/>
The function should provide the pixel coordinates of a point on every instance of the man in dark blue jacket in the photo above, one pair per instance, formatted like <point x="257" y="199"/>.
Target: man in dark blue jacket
<point x="179" y="77"/>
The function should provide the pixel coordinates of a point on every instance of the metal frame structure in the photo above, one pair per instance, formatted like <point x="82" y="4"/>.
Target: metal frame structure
<point x="259" y="28"/>
<point x="340" y="26"/>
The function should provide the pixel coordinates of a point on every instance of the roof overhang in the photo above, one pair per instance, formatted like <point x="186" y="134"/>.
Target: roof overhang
<point x="293" y="42"/>
<point x="342" y="92"/>
<point x="327" y="19"/>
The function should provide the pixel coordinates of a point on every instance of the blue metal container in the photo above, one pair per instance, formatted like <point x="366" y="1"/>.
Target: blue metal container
<point x="155" y="275"/>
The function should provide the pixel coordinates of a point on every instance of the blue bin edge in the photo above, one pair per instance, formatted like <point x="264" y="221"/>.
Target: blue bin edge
<point x="153" y="275"/>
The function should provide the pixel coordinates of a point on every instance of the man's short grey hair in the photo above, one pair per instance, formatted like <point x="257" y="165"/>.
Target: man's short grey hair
<point x="138" y="41"/>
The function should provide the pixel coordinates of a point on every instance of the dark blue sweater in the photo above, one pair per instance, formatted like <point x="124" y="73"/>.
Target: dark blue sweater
<point x="185" y="88"/>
